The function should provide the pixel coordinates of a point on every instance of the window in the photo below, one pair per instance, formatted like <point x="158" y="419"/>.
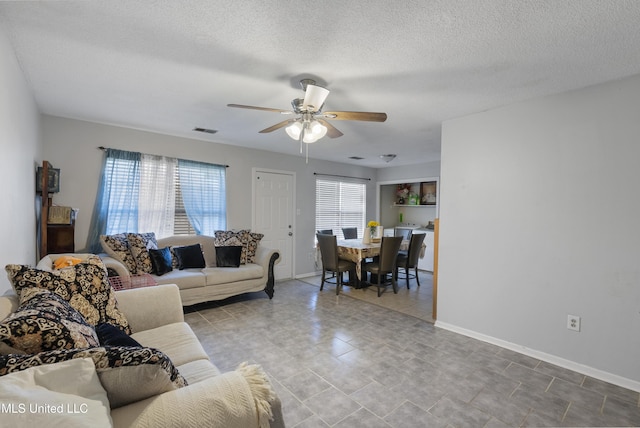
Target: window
<point x="167" y="196"/>
<point x="340" y="204"/>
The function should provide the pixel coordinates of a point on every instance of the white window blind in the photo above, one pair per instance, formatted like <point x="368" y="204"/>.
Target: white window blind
<point x="181" y="225"/>
<point x="340" y="204"/>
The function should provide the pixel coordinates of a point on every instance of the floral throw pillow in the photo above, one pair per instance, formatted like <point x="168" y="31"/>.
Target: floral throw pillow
<point x="226" y="238"/>
<point x="140" y="244"/>
<point x="44" y="321"/>
<point x="127" y="373"/>
<point x="174" y="258"/>
<point x="85" y="286"/>
<point x="252" y="240"/>
<point x="249" y="241"/>
<point x="117" y="246"/>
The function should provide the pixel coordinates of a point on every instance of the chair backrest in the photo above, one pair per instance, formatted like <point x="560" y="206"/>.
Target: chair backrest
<point x="415" y="246"/>
<point x="328" y="251"/>
<point x="350" y="232"/>
<point x="389" y="248"/>
<point x="325" y="232"/>
<point x="404" y="232"/>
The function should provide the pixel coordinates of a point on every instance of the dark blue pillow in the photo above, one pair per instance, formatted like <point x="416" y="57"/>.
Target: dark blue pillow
<point x="160" y="261"/>
<point x="110" y="335"/>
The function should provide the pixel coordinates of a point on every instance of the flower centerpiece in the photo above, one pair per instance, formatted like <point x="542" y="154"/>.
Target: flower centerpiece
<point x="375" y="231"/>
<point x="402" y="193"/>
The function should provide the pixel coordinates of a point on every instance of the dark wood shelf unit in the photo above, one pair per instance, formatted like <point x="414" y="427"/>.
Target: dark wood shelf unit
<point x="52" y="238"/>
<point x="45" y="203"/>
<point x="60" y="238"/>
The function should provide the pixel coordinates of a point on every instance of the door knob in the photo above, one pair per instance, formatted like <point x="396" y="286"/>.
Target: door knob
<point x="290" y="233"/>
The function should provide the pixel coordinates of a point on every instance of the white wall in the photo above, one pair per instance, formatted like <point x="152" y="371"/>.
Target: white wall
<point x="429" y="169"/>
<point x="539" y="218"/>
<point x="20" y="149"/>
<point x="71" y="145"/>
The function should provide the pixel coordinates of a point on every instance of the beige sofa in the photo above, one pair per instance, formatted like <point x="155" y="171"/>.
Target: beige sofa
<point x="210" y="283"/>
<point x="241" y="398"/>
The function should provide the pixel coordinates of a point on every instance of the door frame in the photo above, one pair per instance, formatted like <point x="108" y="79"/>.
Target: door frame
<point x="434" y="286"/>
<point x="254" y="172"/>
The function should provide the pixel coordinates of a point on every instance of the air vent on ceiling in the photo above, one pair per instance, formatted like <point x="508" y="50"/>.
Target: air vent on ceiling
<point x="205" y="130"/>
<point x="355" y="157"/>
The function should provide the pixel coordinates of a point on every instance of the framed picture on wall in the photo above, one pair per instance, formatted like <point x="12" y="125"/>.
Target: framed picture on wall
<point x="54" y="180"/>
<point x="428" y="194"/>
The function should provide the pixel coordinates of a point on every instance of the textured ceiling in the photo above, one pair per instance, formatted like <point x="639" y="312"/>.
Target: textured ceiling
<point x="169" y="65"/>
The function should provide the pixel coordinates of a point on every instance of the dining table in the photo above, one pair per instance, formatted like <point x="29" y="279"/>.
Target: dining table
<point x="357" y="251"/>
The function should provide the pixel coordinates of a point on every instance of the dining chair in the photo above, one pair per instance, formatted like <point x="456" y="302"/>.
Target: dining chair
<point x="386" y="263"/>
<point x="332" y="263"/>
<point x="328" y="232"/>
<point x="410" y="259"/>
<point x="350" y="232"/>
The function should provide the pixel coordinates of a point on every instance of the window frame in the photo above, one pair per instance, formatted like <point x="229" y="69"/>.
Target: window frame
<point x="349" y="209"/>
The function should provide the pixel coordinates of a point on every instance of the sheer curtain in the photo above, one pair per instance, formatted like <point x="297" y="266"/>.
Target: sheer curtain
<point x="116" y="207"/>
<point x="157" y="200"/>
<point x="137" y="193"/>
<point x="203" y="192"/>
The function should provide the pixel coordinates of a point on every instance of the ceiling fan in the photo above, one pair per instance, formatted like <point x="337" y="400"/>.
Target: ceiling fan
<point x="311" y="122"/>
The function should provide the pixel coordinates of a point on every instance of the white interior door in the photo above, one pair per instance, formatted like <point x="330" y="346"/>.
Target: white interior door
<point x="273" y="215"/>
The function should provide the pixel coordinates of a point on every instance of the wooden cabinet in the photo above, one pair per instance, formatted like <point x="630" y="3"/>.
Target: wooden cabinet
<point x="60" y="238"/>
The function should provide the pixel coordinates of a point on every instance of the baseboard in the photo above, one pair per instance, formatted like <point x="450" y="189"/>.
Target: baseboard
<point x="552" y="359"/>
<point x="307" y="275"/>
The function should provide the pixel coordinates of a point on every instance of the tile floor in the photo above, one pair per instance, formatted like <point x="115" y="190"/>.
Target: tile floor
<point x="337" y="361"/>
<point x="415" y="301"/>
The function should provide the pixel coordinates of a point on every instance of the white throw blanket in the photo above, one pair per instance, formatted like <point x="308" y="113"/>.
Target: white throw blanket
<point x="237" y="399"/>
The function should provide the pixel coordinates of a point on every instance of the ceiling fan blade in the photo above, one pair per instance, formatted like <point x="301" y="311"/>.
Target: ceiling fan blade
<point x="277" y="110"/>
<point x="276" y="126"/>
<point x="355" y="115"/>
<point x="314" y="97"/>
<point x="332" y="131"/>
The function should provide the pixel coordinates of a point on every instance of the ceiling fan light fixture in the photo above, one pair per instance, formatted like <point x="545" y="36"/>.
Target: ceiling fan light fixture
<point x="312" y="124"/>
<point x="309" y="138"/>
<point x="313" y="131"/>
<point x="318" y="129"/>
<point x="294" y="130"/>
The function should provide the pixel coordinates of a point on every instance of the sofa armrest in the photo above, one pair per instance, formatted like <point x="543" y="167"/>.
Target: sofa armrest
<point x="263" y="256"/>
<point x="226" y="400"/>
<point x="151" y="307"/>
<point x="267" y="257"/>
<point x="116" y="265"/>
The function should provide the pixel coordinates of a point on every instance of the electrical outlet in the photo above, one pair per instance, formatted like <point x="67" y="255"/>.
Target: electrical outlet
<point x="573" y="322"/>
